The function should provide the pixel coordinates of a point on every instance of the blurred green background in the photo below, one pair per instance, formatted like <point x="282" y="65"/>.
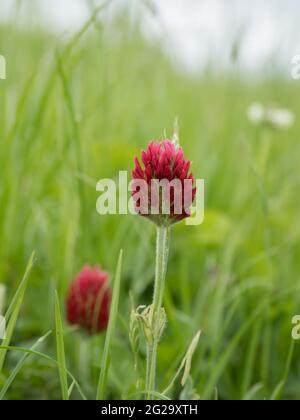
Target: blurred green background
<point x="78" y="108"/>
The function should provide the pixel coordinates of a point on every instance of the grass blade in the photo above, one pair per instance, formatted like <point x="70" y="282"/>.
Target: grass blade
<point x="155" y="394"/>
<point x="49" y="359"/>
<point x="280" y="387"/>
<point x="61" y="360"/>
<point x="220" y="364"/>
<point x="253" y="391"/>
<point x="70" y="390"/>
<point x="20" y="364"/>
<point x="14" y="310"/>
<point x="185" y="364"/>
<point x="110" y="330"/>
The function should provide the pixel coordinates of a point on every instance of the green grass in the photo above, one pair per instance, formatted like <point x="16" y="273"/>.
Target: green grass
<point x="113" y="314"/>
<point x="75" y="112"/>
<point x="12" y="313"/>
<point x="60" y="348"/>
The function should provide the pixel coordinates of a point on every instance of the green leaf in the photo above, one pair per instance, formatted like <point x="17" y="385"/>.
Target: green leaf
<point x="70" y="390"/>
<point x="185" y="364"/>
<point x="110" y="330"/>
<point x="45" y="357"/>
<point x="280" y="387"/>
<point x="188" y="391"/>
<point x="187" y="361"/>
<point x="20" y="364"/>
<point x="61" y="360"/>
<point x="157" y="395"/>
<point x="13" y="311"/>
<point x="253" y="391"/>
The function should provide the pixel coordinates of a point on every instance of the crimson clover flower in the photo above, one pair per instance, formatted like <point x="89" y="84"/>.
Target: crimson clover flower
<point x="163" y="189"/>
<point x="88" y="300"/>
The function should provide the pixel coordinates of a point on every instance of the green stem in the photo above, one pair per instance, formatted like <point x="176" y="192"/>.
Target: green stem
<point x="162" y="252"/>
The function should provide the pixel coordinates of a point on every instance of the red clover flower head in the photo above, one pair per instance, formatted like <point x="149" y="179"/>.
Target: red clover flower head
<point x="88" y="300"/>
<point x="163" y="189"/>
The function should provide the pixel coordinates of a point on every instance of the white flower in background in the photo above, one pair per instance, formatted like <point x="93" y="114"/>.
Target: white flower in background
<point x="256" y="113"/>
<point x="280" y="117"/>
<point x="272" y="116"/>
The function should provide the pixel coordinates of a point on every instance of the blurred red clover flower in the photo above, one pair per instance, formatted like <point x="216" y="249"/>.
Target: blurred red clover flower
<point x="88" y="300"/>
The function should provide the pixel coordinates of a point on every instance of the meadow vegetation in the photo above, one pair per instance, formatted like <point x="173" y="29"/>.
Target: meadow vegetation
<point x="75" y="110"/>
